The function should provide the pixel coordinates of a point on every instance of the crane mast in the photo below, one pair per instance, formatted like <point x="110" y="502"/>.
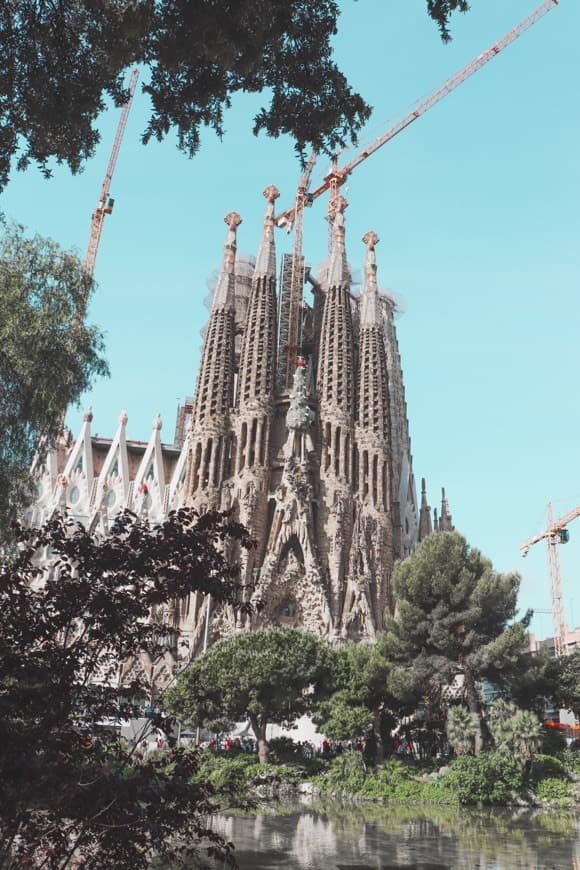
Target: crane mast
<point x="292" y="286"/>
<point x="105" y="204"/>
<point x="338" y="175"/>
<point x="554" y="534"/>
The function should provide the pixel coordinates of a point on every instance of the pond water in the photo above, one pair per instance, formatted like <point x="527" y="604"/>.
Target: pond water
<point x="333" y="835"/>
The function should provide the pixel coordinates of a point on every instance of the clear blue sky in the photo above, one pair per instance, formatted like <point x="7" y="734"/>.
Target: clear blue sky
<point x="477" y="208"/>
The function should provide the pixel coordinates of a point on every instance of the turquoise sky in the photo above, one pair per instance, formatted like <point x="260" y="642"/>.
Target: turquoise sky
<point x="477" y="209"/>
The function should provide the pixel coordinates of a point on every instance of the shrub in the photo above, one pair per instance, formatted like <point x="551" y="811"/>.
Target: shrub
<point x="282" y="749"/>
<point x="558" y="791"/>
<point x="489" y="778"/>
<point x="461" y="728"/>
<point x="548" y="766"/>
<point x="346" y="774"/>
<point x="570" y="758"/>
<point x="552" y="741"/>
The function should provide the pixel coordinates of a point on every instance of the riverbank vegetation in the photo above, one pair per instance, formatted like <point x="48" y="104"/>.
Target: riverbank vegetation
<point x="445" y="707"/>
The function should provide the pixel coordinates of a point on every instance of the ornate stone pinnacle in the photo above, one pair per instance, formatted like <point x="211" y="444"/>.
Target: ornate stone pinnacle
<point x="339" y="203"/>
<point x="370" y="239"/>
<point x="123" y="418"/>
<point x="88" y="415"/>
<point x="271" y="192"/>
<point x="157" y="423"/>
<point x="232" y="219"/>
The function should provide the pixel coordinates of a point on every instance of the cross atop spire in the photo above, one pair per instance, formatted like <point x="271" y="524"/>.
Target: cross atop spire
<point x="338" y="269"/>
<point x="224" y="291"/>
<point x="266" y="259"/>
<point x="370" y="308"/>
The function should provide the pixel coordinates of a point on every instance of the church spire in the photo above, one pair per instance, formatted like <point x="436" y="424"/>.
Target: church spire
<point x="224" y="296"/>
<point x="425" y="527"/>
<point x="445" y="520"/>
<point x="336" y="376"/>
<point x="338" y="270"/>
<point x="257" y="367"/>
<point x="266" y="259"/>
<point x="373" y="383"/>
<point x="215" y="382"/>
<point x="370" y="305"/>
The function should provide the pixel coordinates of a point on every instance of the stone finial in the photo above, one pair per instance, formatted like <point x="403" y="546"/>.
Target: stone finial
<point x="370" y="239"/>
<point x="88" y="415"/>
<point x="224" y="291"/>
<point x="266" y="257"/>
<point x="370" y="307"/>
<point x="157" y="422"/>
<point x="338" y="269"/>
<point x="271" y="192"/>
<point x="233" y="220"/>
<point x="123" y="418"/>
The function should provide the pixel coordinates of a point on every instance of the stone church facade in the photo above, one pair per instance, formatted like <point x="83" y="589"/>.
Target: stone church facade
<point x="321" y="473"/>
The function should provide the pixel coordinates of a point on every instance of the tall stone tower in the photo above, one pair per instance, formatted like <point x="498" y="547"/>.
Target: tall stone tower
<point x="315" y="473"/>
<point x="321" y="473"/>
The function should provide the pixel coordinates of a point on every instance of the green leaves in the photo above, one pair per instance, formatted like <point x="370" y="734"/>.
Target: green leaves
<point x="268" y="676"/>
<point x="60" y="61"/>
<point x="65" y="777"/>
<point x="48" y="355"/>
<point x="453" y="616"/>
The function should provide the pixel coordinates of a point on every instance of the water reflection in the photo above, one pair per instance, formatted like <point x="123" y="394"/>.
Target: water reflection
<point x="331" y="835"/>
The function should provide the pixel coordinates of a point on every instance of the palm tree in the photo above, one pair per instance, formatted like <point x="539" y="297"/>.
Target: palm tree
<point x="461" y="728"/>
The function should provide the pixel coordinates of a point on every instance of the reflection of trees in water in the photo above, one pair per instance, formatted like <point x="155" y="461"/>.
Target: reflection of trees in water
<point x="328" y="831"/>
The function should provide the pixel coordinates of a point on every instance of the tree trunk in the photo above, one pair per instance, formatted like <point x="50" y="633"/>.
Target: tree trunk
<point x="259" y="728"/>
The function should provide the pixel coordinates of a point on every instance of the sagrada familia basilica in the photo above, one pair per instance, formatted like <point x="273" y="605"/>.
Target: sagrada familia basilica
<point x="320" y="470"/>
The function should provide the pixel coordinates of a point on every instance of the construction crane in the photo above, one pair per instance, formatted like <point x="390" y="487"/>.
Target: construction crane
<point x="292" y="286"/>
<point x="338" y="175"/>
<point x="554" y="534"/>
<point x="105" y="203"/>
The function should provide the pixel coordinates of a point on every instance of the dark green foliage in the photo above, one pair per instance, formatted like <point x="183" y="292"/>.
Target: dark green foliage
<point x="454" y="616"/>
<point x="267" y="676"/>
<point x="489" y="778"/>
<point x="48" y="356"/>
<point x="441" y="11"/>
<point x="556" y="790"/>
<point x="346" y="775"/>
<point x="61" y="60"/>
<point x="569" y="682"/>
<point x="66" y="782"/>
<point x="548" y="766"/>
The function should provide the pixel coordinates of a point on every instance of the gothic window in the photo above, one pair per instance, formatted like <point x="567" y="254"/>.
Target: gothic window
<point x="243" y="439"/>
<point x="217" y="462"/>
<point x="347" y="457"/>
<point x="327" y="446"/>
<point x="206" y="463"/>
<point x="365" y="474"/>
<point x="337" y="451"/>
<point x="196" y="464"/>
<point x="385" y="491"/>
<point x="252" y="445"/>
<point x="375" y="479"/>
<point x="263" y="442"/>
